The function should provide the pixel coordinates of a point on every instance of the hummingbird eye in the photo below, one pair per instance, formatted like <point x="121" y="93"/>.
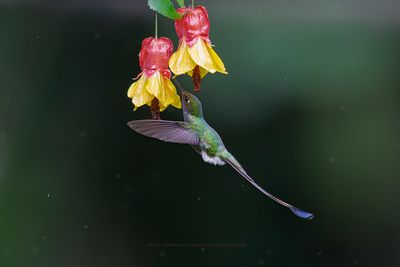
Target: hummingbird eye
<point x="187" y="100"/>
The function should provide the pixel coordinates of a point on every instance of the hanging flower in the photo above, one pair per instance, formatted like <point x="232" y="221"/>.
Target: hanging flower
<point x="154" y="86"/>
<point x="195" y="55"/>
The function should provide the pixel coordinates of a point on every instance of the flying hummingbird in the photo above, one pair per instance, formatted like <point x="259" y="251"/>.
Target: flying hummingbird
<point x="195" y="131"/>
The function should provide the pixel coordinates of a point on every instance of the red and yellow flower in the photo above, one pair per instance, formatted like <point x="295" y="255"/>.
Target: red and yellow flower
<point x="154" y="81"/>
<point x="195" y="55"/>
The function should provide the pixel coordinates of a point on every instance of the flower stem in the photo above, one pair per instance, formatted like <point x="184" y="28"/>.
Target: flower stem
<point x="156" y="25"/>
<point x="155" y="109"/>
<point x="192" y="3"/>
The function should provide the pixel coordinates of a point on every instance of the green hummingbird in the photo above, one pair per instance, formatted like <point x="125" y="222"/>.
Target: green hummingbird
<point x="195" y="131"/>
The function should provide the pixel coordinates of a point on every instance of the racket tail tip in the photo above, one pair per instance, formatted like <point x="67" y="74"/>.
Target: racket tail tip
<point x="302" y="214"/>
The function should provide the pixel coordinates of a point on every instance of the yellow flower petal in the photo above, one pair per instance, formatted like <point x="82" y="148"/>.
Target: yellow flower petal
<point x="146" y="88"/>
<point x="203" y="55"/>
<point x="181" y="61"/>
<point x="199" y="53"/>
<point x="162" y="107"/>
<point x="218" y="64"/>
<point x="154" y="86"/>
<point x="163" y="90"/>
<point x="157" y="88"/>
<point x="138" y="93"/>
<point x="175" y="99"/>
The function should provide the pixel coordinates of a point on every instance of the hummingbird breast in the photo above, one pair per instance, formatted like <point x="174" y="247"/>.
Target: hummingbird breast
<point x="211" y="145"/>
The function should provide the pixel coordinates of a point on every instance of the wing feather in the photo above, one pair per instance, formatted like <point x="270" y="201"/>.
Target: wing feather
<point x="168" y="131"/>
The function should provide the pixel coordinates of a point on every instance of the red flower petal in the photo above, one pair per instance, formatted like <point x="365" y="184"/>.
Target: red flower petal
<point x="154" y="55"/>
<point x="194" y="24"/>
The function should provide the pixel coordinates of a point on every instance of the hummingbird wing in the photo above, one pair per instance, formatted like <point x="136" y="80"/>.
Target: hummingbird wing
<point x="168" y="131"/>
<point x="236" y="165"/>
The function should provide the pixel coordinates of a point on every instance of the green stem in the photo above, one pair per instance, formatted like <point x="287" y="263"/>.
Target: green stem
<point x="192" y="3"/>
<point x="156" y="26"/>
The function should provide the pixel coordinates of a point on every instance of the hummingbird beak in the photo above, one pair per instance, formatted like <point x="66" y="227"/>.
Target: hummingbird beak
<point x="175" y="81"/>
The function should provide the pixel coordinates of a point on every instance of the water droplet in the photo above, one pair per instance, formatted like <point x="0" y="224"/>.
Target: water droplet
<point x="48" y="195"/>
<point x="319" y="253"/>
<point x="199" y="199"/>
<point x="118" y="175"/>
<point x="85" y="226"/>
<point x="37" y="36"/>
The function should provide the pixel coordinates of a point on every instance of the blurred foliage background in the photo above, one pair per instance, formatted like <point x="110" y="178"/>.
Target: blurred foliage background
<point x="310" y="107"/>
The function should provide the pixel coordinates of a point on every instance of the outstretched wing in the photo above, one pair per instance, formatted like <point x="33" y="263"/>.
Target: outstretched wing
<point x="168" y="131"/>
<point x="236" y="165"/>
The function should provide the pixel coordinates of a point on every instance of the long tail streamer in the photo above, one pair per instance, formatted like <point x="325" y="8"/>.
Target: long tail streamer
<point x="300" y="213"/>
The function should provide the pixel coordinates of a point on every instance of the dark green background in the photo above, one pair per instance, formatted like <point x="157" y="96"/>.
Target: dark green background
<point x="310" y="107"/>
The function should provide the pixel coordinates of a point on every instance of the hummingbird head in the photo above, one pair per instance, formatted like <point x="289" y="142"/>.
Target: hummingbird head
<point x="191" y="104"/>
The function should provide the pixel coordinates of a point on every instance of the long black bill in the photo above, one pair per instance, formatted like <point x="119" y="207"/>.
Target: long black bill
<point x="175" y="81"/>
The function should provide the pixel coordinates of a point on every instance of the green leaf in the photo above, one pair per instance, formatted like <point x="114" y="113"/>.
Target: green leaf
<point x="164" y="7"/>
<point x="181" y="3"/>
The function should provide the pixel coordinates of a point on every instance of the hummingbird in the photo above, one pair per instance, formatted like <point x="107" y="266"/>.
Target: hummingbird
<point x="195" y="131"/>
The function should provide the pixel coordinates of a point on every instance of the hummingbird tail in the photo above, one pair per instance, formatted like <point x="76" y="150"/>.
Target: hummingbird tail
<point x="236" y="165"/>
